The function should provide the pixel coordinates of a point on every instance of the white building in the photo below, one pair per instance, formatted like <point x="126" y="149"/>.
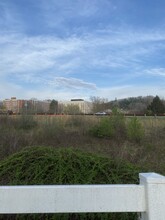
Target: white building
<point x="84" y="106"/>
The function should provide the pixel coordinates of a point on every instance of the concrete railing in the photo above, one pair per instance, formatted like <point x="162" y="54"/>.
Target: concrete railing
<point x="148" y="198"/>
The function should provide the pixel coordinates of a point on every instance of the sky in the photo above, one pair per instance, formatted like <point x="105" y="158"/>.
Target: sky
<point x="65" y="49"/>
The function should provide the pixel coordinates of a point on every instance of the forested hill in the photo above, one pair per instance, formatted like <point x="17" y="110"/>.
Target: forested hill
<point x="138" y="104"/>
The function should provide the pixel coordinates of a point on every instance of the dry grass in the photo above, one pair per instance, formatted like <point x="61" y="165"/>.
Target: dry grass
<point x="73" y="131"/>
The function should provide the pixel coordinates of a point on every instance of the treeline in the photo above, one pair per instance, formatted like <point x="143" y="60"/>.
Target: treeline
<point x="137" y="105"/>
<point x="148" y="105"/>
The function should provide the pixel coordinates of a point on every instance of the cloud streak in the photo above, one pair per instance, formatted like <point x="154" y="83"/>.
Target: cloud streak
<point x="21" y="53"/>
<point x="156" y="72"/>
<point x="74" y="83"/>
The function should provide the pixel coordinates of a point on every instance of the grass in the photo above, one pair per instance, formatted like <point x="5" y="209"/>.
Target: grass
<point x="64" y="131"/>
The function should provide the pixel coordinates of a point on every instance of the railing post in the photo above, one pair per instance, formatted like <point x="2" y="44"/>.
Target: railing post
<point x="154" y="185"/>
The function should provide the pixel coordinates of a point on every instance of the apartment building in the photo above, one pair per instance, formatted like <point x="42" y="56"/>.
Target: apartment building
<point x="33" y="106"/>
<point x="13" y="104"/>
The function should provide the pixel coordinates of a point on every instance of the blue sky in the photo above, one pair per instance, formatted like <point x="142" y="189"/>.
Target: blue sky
<point x="81" y="48"/>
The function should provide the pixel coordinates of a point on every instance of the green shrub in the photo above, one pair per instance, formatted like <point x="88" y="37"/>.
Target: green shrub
<point x="105" y="128"/>
<point x="44" y="165"/>
<point x="135" y="130"/>
<point x="111" y="127"/>
<point x="118" y="121"/>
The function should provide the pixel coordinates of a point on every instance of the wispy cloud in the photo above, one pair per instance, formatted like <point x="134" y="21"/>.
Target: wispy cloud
<point x="20" y="53"/>
<point x="9" y="18"/>
<point x="156" y="72"/>
<point x="78" y="12"/>
<point x="73" y="83"/>
<point x="75" y="60"/>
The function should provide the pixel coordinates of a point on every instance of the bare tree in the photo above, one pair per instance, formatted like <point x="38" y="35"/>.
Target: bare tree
<point x="99" y="104"/>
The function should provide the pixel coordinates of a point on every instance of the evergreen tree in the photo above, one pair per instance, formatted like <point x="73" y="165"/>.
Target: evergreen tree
<point x="156" y="106"/>
<point x="53" y="108"/>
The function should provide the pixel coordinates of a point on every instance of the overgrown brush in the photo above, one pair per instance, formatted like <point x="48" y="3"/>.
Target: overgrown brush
<point x="135" y="130"/>
<point x="26" y="122"/>
<point x="23" y="121"/>
<point x="44" y="165"/>
<point x="113" y="126"/>
<point x="116" y="136"/>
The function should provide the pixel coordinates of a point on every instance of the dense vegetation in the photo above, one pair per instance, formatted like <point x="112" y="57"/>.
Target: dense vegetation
<point x="45" y="165"/>
<point x="136" y="144"/>
<point x="156" y="106"/>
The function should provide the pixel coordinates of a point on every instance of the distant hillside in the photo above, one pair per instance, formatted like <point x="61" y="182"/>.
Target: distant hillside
<point x="133" y="104"/>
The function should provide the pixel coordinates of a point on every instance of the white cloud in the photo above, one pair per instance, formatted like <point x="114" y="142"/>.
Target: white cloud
<point x="156" y="71"/>
<point x="61" y="62"/>
<point x="21" y="54"/>
<point x="73" y="83"/>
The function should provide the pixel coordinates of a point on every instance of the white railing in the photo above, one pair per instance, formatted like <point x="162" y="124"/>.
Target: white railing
<point x="148" y="198"/>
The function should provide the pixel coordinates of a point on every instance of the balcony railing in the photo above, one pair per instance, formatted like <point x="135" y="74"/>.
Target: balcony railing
<point x="147" y="198"/>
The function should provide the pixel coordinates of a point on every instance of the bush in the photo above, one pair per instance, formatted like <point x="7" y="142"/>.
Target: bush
<point x="111" y="127"/>
<point x="105" y="128"/>
<point x="119" y="124"/>
<point x="135" y="130"/>
<point x="44" y="165"/>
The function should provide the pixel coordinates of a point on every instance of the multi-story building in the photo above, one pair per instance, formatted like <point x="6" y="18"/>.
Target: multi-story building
<point x="39" y="106"/>
<point x="36" y="106"/>
<point x="85" y="107"/>
<point x="31" y="106"/>
<point x="13" y="104"/>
